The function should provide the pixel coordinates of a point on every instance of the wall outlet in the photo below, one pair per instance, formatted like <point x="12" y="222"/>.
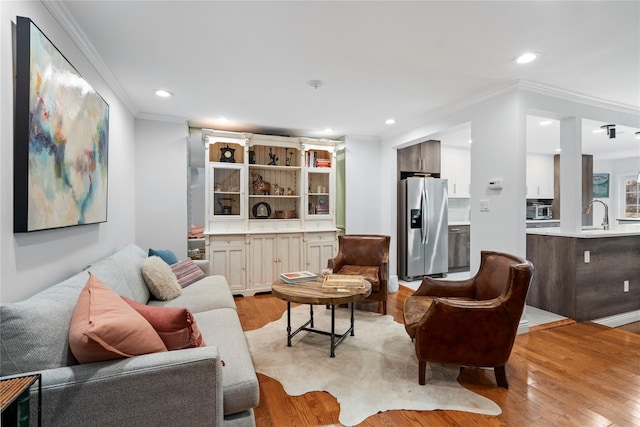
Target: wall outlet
<point x="587" y="257"/>
<point x="484" y="206"/>
<point x="626" y="286"/>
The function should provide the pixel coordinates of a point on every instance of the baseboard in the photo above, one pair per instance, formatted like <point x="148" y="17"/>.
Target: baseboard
<point x="619" y="319"/>
<point x="523" y="326"/>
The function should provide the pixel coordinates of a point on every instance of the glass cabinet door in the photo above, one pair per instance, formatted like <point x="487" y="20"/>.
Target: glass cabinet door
<point x="227" y="190"/>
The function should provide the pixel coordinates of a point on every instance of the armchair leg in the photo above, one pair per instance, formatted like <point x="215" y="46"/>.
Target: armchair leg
<point x="501" y="376"/>
<point x="422" y="372"/>
<point x="384" y="307"/>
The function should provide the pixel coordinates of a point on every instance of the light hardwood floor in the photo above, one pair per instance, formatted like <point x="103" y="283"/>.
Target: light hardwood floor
<point x="576" y="375"/>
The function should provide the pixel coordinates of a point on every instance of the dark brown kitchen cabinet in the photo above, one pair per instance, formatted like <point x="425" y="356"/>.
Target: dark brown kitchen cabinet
<point x="421" y="158"/>
<point x="459" y="248"/>
<point x="587" y="187"/>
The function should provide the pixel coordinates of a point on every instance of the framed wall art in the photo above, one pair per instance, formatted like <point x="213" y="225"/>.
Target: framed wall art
<point x="61" y="139"/>
<point x="600" y="185"/>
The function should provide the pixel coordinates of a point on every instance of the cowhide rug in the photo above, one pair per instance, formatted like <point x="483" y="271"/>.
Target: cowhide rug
<point x="376" y="370"/>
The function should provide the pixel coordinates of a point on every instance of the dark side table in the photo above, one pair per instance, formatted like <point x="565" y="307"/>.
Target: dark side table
<point x="15" y="396"/>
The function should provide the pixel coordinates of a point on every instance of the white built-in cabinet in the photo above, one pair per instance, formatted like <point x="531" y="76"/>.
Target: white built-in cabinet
<point x="456" y="168"/>
<point x="270" y="207"/>
<point x="319" y="248"/>
<point x="539" y="176"/>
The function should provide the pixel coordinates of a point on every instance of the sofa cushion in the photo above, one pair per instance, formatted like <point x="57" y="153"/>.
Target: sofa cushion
<point x="165" y="254"/>
<point x="105" y="327"/>
<point x="187" y="272"/>
<point x="35" y="332"/>
<point x="222" y="328"/>
<point x="176" y="326"/>
<point x="160" y="280"/>
<point x="129" y="261"/>
<point x="206" y="294"/>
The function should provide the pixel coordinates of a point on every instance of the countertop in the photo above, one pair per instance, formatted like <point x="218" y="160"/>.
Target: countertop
<point x="591" y="232"/>
<point x="454" y="223"/>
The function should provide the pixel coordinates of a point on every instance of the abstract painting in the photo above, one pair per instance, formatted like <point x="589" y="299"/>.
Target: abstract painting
<point x="601" y="185"/>
<point x="61" y="139"/>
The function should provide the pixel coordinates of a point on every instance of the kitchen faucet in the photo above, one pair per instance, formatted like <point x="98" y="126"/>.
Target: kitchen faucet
<point x="605" y="220"/>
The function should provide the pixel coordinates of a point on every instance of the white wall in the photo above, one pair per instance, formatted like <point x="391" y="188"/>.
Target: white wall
<point x="364" y="186"/>
<point x="30" y="262"/>
<point x="498" y="151"/>
<point x="161" y="186"/>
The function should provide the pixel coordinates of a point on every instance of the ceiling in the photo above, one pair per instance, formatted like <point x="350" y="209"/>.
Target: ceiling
<point x="251" y="61"/>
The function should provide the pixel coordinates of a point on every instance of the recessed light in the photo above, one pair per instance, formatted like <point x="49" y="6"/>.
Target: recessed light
<point x="163" y="93"/>
<point x="327" y="130"/>
<point x="390" y="121"/>
<point x="525" y="58"/>
<point x="545" y="122"/>
<point x="599" y="131"/>
<point x="558" y="150"/>
<point x="470" y="141"/>
<point x="223" y="120"/>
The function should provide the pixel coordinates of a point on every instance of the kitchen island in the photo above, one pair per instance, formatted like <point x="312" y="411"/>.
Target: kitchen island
<point x="585" y="275"/>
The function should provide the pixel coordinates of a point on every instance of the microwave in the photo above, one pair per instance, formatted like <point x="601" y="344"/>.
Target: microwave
<point x="539" y="212"/>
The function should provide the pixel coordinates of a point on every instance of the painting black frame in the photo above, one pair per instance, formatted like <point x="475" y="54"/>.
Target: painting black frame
<point x="90" y="166"/>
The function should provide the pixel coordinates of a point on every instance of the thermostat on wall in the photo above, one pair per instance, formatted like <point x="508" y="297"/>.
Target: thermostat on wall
<point x="495" y="184"/>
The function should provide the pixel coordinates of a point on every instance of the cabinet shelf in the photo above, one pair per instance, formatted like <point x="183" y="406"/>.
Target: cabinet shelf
<point x="274" y="168"/>
<point x="271" y="196"/>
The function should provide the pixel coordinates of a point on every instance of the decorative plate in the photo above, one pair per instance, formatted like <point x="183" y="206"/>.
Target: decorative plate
<point x="261" y="210"/>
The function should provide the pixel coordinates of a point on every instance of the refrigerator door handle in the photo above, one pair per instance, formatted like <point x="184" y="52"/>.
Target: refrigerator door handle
<point x="425" y="220"/>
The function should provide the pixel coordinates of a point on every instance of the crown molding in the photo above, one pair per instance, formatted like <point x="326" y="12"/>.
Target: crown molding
<point x="162" y="118"/>
<point x="71" y="27"/>
<point x="525" y="85"/>
<point x="556" y="92"/>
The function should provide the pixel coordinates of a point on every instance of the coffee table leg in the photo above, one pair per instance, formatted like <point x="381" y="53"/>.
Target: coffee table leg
<point x="288" y="324"/>
<point x="311" y="314"/>
<point x="333" y="331"/>
<point x="352" y="321"/>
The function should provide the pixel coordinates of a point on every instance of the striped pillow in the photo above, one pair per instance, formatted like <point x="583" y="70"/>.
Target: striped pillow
<point x="187" y="272"/>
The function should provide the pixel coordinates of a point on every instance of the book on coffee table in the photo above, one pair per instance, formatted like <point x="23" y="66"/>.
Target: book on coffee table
<point x="298" y="276"/>
<point x="340" y="282"/>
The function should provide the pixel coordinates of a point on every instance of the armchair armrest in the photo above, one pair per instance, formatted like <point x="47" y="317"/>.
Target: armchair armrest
<point x="182" y="387"/>
<point x="336" y="263"/>
<point x="446" y="288"/>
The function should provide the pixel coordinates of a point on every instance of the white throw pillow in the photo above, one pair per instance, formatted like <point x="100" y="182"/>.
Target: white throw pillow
<point x="160" y="280"/>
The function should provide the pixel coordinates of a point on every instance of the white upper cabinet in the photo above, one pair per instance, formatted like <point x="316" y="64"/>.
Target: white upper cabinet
<point x="539" y="176"/>
<point x="456" y="169"/>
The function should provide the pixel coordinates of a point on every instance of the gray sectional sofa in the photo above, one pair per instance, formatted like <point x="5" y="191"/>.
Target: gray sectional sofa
<point x="213" y="385"/>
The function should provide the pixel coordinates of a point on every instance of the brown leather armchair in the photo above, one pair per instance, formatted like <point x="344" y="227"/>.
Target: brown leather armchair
<point x="470" y="322"/>
<point x="366" y="255"/>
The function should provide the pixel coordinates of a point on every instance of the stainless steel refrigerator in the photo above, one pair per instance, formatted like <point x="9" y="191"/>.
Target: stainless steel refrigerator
<point x="423" y="234"/>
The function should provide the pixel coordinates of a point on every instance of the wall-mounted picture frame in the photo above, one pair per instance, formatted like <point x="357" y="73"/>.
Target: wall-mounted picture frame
<point x="61" y="139"/>
<point x="600" y="185"/>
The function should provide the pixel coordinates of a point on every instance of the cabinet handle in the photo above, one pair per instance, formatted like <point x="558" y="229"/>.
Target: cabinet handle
<point x="454" y="229"/>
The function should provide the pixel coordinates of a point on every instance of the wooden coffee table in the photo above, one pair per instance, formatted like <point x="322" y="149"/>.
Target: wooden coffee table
<point x="311" y="293"/>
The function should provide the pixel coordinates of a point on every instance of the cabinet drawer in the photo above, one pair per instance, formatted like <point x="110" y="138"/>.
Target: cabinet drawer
<point x="231" y="240"/>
